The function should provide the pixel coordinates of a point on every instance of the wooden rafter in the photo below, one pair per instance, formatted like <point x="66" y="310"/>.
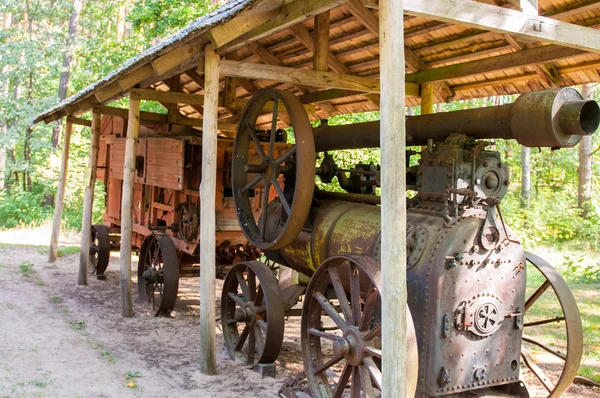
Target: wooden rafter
<point x="521" y="58"/>
<point x="487" y="17"/>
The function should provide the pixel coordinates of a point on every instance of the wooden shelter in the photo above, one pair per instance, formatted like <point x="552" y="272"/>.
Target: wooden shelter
<point x="338" y="56"/>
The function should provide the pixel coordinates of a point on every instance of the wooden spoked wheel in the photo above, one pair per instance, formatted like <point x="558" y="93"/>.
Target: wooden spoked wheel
<point x="341" y="335"/>
<point x="252" y="313"/>
<point x="99" y="250"/>
<point x="296" y="164"/>
<point x="158" y="273"/>
<point x="553" y="337"/>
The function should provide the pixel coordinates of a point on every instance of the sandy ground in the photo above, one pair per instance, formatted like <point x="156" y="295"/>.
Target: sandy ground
<point x="58" y="339"/>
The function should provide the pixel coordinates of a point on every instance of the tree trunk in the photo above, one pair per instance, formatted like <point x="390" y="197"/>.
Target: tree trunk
<point x="525" y="177"/>
<point x="584" y="186"/>
<point x="66" y="67"/>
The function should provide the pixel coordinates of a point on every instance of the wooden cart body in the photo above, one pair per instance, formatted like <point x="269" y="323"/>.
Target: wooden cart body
<point x="167" y="177"/>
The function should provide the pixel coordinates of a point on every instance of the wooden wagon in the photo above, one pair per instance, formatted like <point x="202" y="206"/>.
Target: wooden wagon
<point x="165" y="208"/>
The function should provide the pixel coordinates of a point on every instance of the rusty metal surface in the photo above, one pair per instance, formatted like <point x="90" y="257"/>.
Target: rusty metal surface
<point x="99" y="250"/>
<point x="158" y="273"/>
<point x="571" y="321"/>
<point x="466" y="272"/>
<point x="342" y="348"/>
<point x="252" y="313"/>
<point x="299" y="162"/>
<point x="552" y="118"/>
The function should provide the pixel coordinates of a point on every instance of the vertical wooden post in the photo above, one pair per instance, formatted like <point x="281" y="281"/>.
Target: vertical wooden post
<point x="321" y="55"/>
<point x="586" y="166"/>
<point x="208" y="189"/>
<point x="393" y="198"/>
<point x="60" y="193"/>
<point x="427" y="90"/>
<point x="133" y="131"/>
<point x="529" y="6"/>
<point x="88" y="200"/>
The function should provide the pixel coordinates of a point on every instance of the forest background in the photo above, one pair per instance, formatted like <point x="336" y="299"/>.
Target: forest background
<point x="50" y="49"/>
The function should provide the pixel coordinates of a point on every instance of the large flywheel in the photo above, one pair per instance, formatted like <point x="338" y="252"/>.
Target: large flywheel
<point x="552" y="332"/>
<point x="341" y="330"/>
<point x="296" y="165"/>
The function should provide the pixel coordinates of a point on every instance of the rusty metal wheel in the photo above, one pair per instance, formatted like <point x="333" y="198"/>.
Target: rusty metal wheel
<point x="188" y="221"/>
<point x="553" y="337"/>
<point x="341" y="348"/>
<point x="158" y="273"/>
<point x="252" y="313"/>
<point x="297" y="165"/>
<point x="99" y="250"/>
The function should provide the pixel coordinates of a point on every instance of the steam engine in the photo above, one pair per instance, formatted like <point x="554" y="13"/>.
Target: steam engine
<point x="466" y="270"/>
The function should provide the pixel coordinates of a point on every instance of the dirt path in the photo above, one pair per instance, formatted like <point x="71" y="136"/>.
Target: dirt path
<point x="58" y="339"/>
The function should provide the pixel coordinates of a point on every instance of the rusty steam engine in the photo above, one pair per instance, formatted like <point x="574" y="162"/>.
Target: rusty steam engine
<point x="466" y="269"/>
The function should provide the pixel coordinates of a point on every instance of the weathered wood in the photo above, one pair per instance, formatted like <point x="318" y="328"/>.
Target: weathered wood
<point x="150" y="116"/>
<point x="427" y="98"/>
<point x="88" y="201"/>
<point x="168" y="97"/>
<point x="497" y="19"/>
<point x="79" y="121"/>
<point x="208" y="355"/>
<point x="517" y="59"/>
<point x="586" y="169"/>
<point x="525" y="176"/>
<point x="178" y="55"/>
<point x="60" y="193"/>
<point x="393" y="199"/>
<point x="290" y="14"/>
<point x="306" y="77"/>
<point x="133" y="130"/>
<point x="251" y="18"/>
<point x="321" y="46"/>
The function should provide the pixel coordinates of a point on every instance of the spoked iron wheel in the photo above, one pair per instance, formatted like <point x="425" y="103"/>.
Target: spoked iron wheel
<point x="297" y="164"/>
<point x="341" y="348"/>
<point x="99" y="250"/>
<point x="553" y="337"/>
<point x="158" y="273"/>
<point x="188" y="221"/>
<point x="252" y="313"/>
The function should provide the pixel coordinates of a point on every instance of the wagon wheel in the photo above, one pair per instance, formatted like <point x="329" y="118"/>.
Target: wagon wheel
<point x="297" y="165"/>
<point x="339" y="348"/>
<point x="158" y="273"/>
<point x="99" y="251"/>
<point x="252" y="313"/>
<point x="188" y="221"/>
<point x="565" y="321"/>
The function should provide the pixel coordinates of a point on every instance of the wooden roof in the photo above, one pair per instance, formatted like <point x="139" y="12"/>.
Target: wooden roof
<point x="461" y="58"/>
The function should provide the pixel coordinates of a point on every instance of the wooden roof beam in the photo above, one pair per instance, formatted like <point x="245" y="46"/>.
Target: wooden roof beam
<point x="576" y="8"/>
<point x="513" y="60"/>
<point x="302" y="33"/>
<point x="371" y="22"/>
<point x="484" y="16"/>
<point x="288" y="15"/>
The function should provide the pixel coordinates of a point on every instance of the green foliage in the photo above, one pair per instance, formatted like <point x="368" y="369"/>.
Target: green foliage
<point x="156" y="19"/>
<point x="31" y="57"/>
<point x="78" y="325"/>
<point x="26" y="269"/>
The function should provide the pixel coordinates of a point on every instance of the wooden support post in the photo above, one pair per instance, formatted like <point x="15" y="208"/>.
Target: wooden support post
<point x="393" y="198"/>
<point x="133" y="131"/>
<point x="321" y="53"/>
<point x="427" y="90"/>
<point x="88" y="200"/>
<point x="208" y="186"/>
<point x="60" y="193"/>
